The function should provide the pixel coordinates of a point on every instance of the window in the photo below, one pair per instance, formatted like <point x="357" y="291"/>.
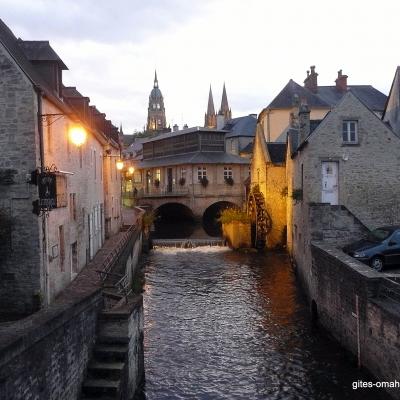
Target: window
<point x="349" y="131"/>
<point x="137" y="177"/>
<point x="183" y="173"/>
<point x="72" y="206"/>
<point x="157" y="175"/>
<point x="154" y="106"/>
<point x="201" y="173"/>
<point x="158" y="106"/>
<point x="95" y="164"/>
<point x="228" y="172"/>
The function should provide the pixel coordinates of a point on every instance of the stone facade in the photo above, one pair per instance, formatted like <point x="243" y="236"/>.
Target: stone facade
<point x="19" y="142"/>
<point x="42" y="254"/>
<point x="270" y="178"/>
<point x="343" y="290"/>
<point x="368" y="172"/>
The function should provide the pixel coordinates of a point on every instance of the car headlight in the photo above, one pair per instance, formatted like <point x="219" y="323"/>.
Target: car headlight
<point x="359" y="255"/>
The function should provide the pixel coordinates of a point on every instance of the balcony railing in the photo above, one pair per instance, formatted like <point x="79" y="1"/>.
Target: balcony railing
<point x="196" y="190"/>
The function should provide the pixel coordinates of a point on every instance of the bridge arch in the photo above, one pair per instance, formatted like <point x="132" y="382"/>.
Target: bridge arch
<point x="169" y="218"/>
<point x="211" y="214"/>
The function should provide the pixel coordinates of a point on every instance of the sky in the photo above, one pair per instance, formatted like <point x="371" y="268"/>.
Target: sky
<point x="255" y="46"/>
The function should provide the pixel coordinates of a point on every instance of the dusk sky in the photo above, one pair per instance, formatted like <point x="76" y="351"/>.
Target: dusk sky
<point x="255" y="46"/>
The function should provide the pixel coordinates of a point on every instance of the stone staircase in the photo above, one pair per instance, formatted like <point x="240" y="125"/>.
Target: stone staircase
<point x="106" y="370"/>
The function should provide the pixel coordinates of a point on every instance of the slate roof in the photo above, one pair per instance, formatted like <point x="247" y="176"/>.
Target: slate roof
<point x="71" y="91"/>
<point x="40" y="50"/>
<point x="241" y="126"/>
<point x="277" y="152"/>
<point x="282" y="137"/>
<point x="200" y="157"/>
<point x="10" y="42"/>
<point x="285" y="98"/>
<point x="182" y="132"/>
<point x="327" y="96"/>
<point x="392" y="109"/>
<point x="248" y="149"/>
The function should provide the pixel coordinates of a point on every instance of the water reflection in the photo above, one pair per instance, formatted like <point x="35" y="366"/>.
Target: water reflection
<point x="224" y="325"/>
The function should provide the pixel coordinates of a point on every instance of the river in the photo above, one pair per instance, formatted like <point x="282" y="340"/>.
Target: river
<point x="226" y="325"/>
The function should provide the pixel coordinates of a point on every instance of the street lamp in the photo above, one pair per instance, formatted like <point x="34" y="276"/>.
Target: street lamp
<point x="119" y="164"/>
<point x="131" y="170"/>
<point x="77" y="135"/>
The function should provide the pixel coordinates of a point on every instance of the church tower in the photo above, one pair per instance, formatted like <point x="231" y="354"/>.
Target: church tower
<point x="156" y="121"/>
<point x="225" y="110"/>
<point x="210" y="118"/>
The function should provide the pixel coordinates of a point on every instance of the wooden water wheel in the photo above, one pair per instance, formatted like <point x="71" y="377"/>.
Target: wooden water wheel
<point x="260" y="220"/>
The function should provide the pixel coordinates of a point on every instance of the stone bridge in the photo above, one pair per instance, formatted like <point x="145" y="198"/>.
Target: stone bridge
<point x="194" y="201"/>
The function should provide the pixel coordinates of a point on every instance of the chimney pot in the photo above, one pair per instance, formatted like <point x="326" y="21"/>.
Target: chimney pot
<point x="311" y="82"/>
<point x="341" y="82"/>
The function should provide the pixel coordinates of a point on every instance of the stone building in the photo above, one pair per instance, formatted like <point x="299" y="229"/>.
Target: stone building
<point x="156" y="120"/>
<point x="74" y="189"/>
<point x="275" y="118"/>
<point x="240" y="134"/>
<point x="348" y="161"/>
<point x="267" y="200"/>
<point x="191" y="168"/>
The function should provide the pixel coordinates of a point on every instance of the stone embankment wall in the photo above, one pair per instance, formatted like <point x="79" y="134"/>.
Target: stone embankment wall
<point x="46" y="355"/>
<point x="360" y="307"/>
<point x="237" y="234"/>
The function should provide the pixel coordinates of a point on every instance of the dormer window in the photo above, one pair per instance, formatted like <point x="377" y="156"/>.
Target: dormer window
<point x="350" y="132"/>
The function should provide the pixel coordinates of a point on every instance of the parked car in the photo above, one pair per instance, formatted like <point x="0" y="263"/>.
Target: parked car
<point x="380" y="248"/>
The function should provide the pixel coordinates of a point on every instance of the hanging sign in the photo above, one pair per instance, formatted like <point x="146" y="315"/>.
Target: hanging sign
<point x="47" y="191"/>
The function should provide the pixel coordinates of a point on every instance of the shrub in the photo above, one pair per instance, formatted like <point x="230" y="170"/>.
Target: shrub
<point x="156" y="182"/>
<point x="233" y="215"/>
<point x="148" y="219"/>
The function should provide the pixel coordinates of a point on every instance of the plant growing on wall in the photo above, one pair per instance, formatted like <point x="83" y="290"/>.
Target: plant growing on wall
<point x="204" y="181"/>
<point x="182" y="181"/>
<point x="297" y="195"/>
<point x="229" y="181"/>
<point x="233" y="215"/>
<point x="156" y="182"/>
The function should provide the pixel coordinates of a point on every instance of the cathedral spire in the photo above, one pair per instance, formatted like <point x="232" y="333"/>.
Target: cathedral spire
<point x="155" y="79"/>
<point x="210" y="107"/>
<point x="225" y="111"/>
<point x="210" y="120"/>
<point x="224" y="102"/>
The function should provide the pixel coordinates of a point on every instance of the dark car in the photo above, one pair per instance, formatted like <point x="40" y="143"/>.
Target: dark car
<point x="380" y="248"/>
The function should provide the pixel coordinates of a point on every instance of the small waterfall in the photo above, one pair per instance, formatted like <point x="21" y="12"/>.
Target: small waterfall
<point x="188" y="243"/>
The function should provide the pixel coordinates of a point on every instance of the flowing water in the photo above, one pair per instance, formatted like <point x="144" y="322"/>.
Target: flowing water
<point x="227" y="325"/>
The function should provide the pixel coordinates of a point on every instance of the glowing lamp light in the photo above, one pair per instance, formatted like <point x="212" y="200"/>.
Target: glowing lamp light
<point x="77" y="135"/>
<point x="119" y="165"/>
<point x="131" y="170"/>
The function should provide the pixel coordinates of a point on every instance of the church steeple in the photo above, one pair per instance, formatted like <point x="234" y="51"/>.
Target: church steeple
<point x="155" y="79"/>
<point x="156" y="121"/>
<point x="210" y="120"/>
<point x="225" y="110"/>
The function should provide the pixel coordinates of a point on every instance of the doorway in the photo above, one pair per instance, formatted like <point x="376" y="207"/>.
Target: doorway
<point x="330" y="182"/>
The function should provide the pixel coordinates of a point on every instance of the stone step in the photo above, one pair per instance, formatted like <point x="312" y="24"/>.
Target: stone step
<point x="110" y="352"/>
<point x="105" y="370"/>
<point x="100" y="387"/>
<point x="111" y="339"/>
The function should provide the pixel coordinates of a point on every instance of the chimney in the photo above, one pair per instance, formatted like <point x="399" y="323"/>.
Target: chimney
<point x="311" y="82"/>
<point x="175" y="128"/>
<point x="341" y="82"/>
<point x="304" y="121"/>
<point x="185" y="126"/>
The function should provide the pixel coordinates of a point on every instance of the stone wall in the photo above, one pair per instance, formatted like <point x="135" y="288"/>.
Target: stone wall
<point x="321" y="222"/>
<point x="343" y="288"/>
<point x="237" y="234"/>
<point x="45" y="355"/>
<point x="21" y="279"/>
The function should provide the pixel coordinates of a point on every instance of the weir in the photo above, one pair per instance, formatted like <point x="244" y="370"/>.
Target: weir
<point x="188" y="243"/>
